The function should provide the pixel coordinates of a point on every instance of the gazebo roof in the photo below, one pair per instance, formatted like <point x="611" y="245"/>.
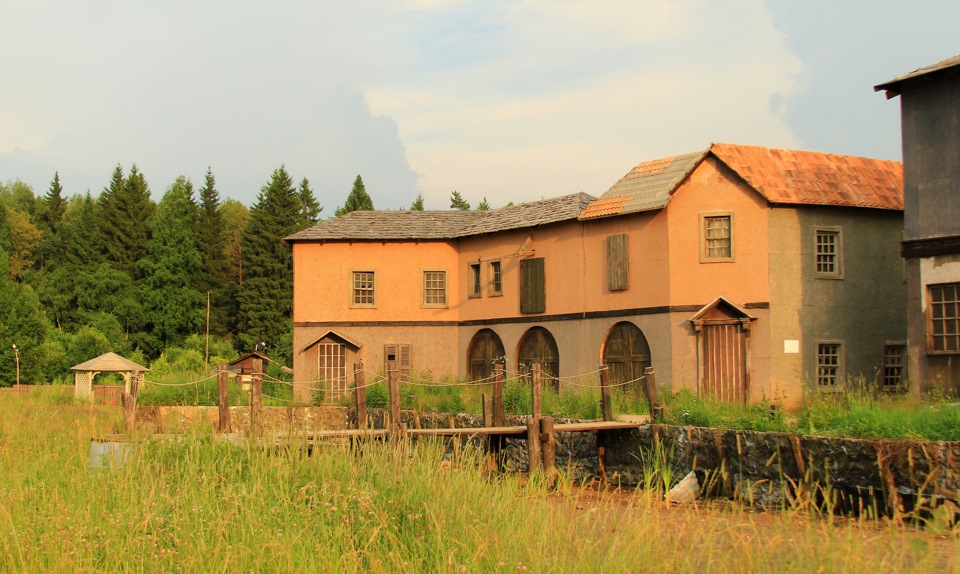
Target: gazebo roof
<point x="109" y="363"/>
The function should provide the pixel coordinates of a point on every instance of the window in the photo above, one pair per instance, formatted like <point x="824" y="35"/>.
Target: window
<point x="943" y="335"/>
<point x="363" y="294"/>
<point x="533" y="297"/>
<point x="332" y="369"/>
<point x="829" y="365"/>
<point x="894" y="366"/>
<point x="716" y="237"/>
<point x="496" y="279"/>
<point x="435" y="288"/>
<point x="617" y="262"/>
<point x="474" y="277"/>
<point x="829" y="252"/>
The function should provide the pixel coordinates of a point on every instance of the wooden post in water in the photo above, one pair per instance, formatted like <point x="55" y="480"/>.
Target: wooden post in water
<point x="548" y="450"/>
<point x="651" y="386"/>
<point x="360" y="395"/>
<point x="393" y="382"/>
<point x="256" y="396"/>
<point x="606" y="406"/>
<point x="498" y="395"/>
<point x="223" y="402"/>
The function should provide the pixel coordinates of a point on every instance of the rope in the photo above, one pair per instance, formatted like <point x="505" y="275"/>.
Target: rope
<point x="180" y="384"/>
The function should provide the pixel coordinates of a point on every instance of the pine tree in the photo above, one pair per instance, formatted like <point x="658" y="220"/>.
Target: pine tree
<point x="358" y="199"/>
<point x="310" y="207"/>
<point x="266" y="295"/>
<point x="173" y="306"/>
<point x="483" y="205"/>
<point x="458" y="202"/>
<point x="417" y="204"/>
<point x="236" y="218"/>
<point x="211" y="241"/>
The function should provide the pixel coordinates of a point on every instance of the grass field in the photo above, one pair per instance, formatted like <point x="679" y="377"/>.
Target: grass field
<point x="201" y="505"/>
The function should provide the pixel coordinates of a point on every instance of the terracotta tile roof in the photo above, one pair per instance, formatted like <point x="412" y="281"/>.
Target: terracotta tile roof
<point x="646" y="187"/>
<point x="781" y="176"/>
<point x="450" y="224"/>
<point x="814" y="178"/>
<point x="893" y="86"/>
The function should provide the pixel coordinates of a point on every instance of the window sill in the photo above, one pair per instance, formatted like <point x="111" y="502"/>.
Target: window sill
<point x="828" y="276"/>
<point x="719" y="260"/>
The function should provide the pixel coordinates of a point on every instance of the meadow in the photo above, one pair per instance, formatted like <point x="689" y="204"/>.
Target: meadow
<point x="198" y="504"/>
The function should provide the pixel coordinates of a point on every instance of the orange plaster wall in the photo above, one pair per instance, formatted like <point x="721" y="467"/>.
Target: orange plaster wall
<point x="713" y="187"/>
<point x="323" y="274"/>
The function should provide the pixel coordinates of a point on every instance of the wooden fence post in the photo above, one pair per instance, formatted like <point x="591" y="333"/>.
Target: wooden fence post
<point x="533" y="444"/>
<point x="548" y="450"/>
<point x="498" y="395"/>
<point x="130" y="403"/>
<point x="360" y="395"/>
<point x="606" y="406"/>
<point x="223" y="402"/>
<point x="486" y="407"/>
<point x="256" y="396"/>
<point x="651" y="385"/>
<point x="393" y="382"/>
<point x="534" y="452"/>
<point x="536" y="392"/>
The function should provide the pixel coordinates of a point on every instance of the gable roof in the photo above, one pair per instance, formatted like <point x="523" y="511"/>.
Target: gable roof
<point x="109" y="363"/>
<point x="780" y="176"/>
<point x="450" y="224"/>
<point x="892" y="87"/>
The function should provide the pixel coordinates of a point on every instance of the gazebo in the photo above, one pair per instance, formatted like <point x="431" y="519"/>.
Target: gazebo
<point x="84" y="373"/>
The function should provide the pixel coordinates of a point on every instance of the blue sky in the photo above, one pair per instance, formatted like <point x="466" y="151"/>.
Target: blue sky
<point x="512" y="101"/>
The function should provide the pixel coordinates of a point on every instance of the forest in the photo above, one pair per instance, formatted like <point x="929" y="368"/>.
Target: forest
<point x="82" y="275"/>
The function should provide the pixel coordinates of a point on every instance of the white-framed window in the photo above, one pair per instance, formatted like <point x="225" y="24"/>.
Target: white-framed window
<point x="828" y="250"/>
<point x="716" y="237"/>
<point x="829" y="365"/>
<point x="364" y="294"/>
<point x="434" y="288"/>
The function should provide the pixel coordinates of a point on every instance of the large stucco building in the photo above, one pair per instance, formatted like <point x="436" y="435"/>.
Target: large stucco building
<point x="743" y="273"/>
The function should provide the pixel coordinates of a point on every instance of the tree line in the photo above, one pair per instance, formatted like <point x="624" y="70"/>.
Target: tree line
<point x="83" y="275"/>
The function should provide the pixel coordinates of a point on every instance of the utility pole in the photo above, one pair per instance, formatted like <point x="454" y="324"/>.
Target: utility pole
<point x="206" y="350"/>
<point x="16" y="359"/>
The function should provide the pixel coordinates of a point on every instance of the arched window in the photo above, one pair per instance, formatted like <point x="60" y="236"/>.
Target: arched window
<point x="538" y="346"/>
<point x="626" y="353"/>
<point x="485" y="349"/>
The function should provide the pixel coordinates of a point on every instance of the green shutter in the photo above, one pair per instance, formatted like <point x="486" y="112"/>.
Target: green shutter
<point x="533" y="297"/>
<point x="617" y="262"/>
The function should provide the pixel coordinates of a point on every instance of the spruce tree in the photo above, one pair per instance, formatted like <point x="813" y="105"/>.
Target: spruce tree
<point x="126" y="212"/>
<point x="458" y="202"/>
<point x="173" y="306"/>
<point x="357" y="200"/>
<point x="417" y="204"/>
<point x="266" y="295"/>
<point x="211" y="241"/>
<point x="310" y="207"/>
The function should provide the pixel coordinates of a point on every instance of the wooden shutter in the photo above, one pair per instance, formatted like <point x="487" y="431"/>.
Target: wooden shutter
<point x="532" y="286"/>
<point x="401" y="354"/>
<point x="617" y="262"/>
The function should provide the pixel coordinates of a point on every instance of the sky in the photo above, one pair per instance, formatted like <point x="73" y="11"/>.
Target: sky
<point x="510" y="101"/>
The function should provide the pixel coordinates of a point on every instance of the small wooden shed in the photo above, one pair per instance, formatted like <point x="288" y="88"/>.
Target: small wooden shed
<point x="84" y="373"/>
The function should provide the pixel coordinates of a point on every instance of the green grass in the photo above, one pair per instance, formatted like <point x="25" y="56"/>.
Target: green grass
<point x="201" y="505"/>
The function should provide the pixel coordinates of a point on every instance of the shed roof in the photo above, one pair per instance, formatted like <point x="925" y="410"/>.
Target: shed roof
<point x="780" y="176"/>
<point x="892" y="87"/>
<point x="450" y="224"/>
<point x="109" y="363"/>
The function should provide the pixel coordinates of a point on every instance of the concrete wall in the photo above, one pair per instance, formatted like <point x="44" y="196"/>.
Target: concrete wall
<point x="867" y="306"/>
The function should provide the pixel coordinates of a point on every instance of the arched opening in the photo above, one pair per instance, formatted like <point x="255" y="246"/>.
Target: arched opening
<point x="484" y="351"/>
<point x="626" y="353"/>
<point x="538" y="346"/>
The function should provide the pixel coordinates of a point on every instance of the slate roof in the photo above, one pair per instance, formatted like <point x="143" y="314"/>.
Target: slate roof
<point x="780" y="176"/>
<point x="893" y="86"/>
<point x="109" y="363"/>
<point x="450" y="224"/>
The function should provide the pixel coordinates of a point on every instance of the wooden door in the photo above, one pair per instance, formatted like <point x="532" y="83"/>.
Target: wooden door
<point x="332" y="369"/>
<point x="627" y="354"/>
<point x="725" y="361"/>
<point x="539" y="346"/>
<point x="485" y="349"/>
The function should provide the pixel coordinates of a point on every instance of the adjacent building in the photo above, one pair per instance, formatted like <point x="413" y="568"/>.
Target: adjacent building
<point x="930" y="120"/>
<point x="742" y="273"/>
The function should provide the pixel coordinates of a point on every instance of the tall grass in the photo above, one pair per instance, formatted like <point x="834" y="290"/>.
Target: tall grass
<point x="202" y="505"/>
